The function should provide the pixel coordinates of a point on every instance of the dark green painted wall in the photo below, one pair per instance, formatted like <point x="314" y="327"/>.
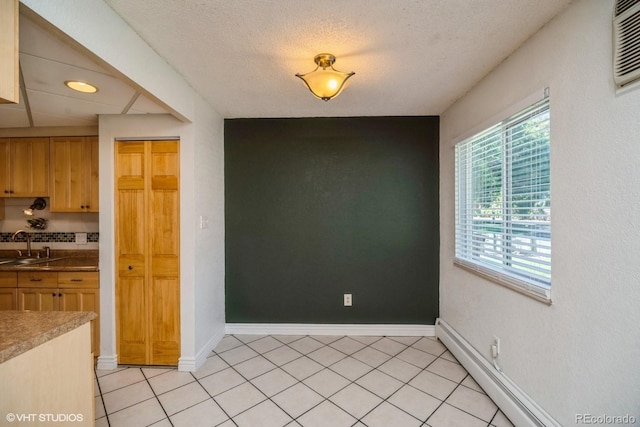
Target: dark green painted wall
<point x="316" y="208"/>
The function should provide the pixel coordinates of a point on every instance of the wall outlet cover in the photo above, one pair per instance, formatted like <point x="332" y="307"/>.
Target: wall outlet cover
<point x="348" y="300"/>
<point x="81" y="238"/>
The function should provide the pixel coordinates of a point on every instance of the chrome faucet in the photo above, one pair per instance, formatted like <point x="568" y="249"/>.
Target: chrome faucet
<point x="28" y="236"/>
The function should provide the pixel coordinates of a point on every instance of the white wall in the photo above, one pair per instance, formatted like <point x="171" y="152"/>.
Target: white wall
<point x="201" y="251"/>
<point x="581" y="354"/>
<point x="106" y="36"/>
<point x="208" y="190"/>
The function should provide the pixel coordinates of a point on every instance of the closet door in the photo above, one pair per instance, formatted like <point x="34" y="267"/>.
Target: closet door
<point x="147" y="248"/>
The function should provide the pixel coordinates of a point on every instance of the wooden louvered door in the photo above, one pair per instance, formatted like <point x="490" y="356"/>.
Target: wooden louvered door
<point x="148" y="252"/>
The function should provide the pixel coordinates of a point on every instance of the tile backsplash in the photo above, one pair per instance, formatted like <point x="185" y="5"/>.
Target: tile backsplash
<point x="61" y="226"/>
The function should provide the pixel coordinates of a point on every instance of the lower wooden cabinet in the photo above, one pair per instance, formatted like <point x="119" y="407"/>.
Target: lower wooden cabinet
<point x="8" y="291"/>
<point x="57" y="291"/>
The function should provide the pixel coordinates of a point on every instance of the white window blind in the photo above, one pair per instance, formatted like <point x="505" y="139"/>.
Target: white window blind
<point x="503" y="202"/>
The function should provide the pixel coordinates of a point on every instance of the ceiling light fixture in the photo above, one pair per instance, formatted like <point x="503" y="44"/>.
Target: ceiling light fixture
<point x="79" y="86"/>
<point x="325" y="83"/>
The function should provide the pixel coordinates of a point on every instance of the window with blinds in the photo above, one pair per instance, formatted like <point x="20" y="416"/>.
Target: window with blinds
<point x="503" y="202"/>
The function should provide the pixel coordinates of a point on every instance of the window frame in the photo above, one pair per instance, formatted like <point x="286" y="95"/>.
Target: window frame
<point x="534" y="286"/>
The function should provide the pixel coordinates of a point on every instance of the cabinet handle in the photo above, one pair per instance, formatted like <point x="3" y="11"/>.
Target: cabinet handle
<point x="81" y="206"/>
<point x="33" y="279"/>
<point x="6" y="191"/>
<point x="76" y="280"/>
<point x="53" y="294"/>
<point x="60" y="294"/>
<point x="130" y="267"/>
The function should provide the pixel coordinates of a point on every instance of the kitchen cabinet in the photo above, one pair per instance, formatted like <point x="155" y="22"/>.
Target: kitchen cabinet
<point x="24" y="166"/>
<point x="147" y="202"/>
<point x="8" y="291"/>
<point x="74" y="174"/>
<point x="61" y="291"/>
<point x="9" y="35"/>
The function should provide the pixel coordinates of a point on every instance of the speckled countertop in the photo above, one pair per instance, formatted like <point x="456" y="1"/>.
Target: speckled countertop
<point x="63" y="260"/>
<point x="20" y="331"/>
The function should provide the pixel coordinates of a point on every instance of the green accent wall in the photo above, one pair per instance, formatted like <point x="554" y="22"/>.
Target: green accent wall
<point x="319" y="207"/>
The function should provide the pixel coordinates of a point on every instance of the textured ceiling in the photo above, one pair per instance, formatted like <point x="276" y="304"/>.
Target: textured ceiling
<point x="411" y="57"/>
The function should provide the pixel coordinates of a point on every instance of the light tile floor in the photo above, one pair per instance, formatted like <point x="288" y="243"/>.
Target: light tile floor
<point x="308" y="381"/>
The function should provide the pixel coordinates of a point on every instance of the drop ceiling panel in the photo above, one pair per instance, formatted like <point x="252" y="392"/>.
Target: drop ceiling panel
<point x="111" y="91"/>
<point x="36" y="41"/>
<point x="61" y="106"/>
<point x="13" y="115"/>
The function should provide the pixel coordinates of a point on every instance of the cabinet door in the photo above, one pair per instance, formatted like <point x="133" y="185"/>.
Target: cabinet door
<point x="5" y="167"/>
<point x="74" y="174"/>
<point x="30" y="167"/>
<point x="38" y="299"/>
<point x="8" y="298"/>
<point x="91" y="174"/>
<point x="83" y="300"/>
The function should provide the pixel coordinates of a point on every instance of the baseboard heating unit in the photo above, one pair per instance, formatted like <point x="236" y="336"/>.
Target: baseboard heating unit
<point x="512" y="401"/>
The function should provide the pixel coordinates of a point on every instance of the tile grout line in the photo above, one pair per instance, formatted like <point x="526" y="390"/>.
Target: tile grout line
<point x="156" y="396"/>
<point x="453" y="406"/>
<point x="229" y="418"/>
<point x="101" y="398"/>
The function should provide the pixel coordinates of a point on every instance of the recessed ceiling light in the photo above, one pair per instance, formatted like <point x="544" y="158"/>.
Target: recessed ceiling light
<point x="81" y="86"/>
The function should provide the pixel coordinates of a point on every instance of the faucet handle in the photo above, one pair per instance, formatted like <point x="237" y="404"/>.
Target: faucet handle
<point x="19" y="252"/>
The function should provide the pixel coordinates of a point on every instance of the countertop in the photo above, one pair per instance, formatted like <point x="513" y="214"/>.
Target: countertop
<point x="71" y="260"/>
<point x="20" y="331"/>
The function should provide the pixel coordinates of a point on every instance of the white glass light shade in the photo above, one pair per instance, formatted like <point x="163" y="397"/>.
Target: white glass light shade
<point x="325" y="82"/>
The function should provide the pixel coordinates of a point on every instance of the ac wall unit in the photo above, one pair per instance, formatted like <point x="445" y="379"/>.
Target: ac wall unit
<point x="626" y="39"/>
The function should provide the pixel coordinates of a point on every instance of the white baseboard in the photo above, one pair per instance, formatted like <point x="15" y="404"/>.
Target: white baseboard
<point x="512" y="401"/>
<point x="329" y="329"/>
<point x="191" y="364"/>
<point x="107" y="363"/>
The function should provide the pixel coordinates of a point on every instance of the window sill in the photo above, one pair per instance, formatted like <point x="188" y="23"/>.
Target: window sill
<point x="538" y="293"/>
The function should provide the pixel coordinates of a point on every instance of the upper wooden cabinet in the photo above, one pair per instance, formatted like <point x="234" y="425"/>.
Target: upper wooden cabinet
<point x="24" y="166"/>
<point x="9" y="80"/>
<point x="74" y="174"/>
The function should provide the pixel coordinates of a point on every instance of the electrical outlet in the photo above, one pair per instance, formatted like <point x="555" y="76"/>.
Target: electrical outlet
<point x="204" y="222"/>
<point x="81" y="238"/>
<point x="348" y="301"/>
